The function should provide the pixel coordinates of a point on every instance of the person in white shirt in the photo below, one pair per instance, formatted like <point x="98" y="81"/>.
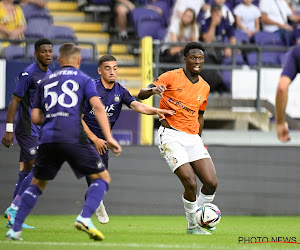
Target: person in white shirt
<point x="181" y="5"/>
<point x="275" y="15"/>
<point x="184" y="30"/>
<point x="247" y="17"/>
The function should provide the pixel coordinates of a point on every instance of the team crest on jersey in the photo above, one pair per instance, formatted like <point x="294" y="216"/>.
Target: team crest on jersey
<point x="32" y="151"/>
<point x="99" y="164"/>
<point x="117" y="98"/>
<point x="199" y="98"/>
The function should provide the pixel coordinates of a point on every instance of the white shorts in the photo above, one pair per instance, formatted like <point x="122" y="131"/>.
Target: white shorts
<point x="178" y="147"/>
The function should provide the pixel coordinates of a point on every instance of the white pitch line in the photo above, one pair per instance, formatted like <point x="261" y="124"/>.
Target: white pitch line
<point x="119" y="245"/>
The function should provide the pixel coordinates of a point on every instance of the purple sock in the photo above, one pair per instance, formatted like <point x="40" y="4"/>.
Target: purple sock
<point x="22" y="175"/>
<point x="28" y="200"/>
<point x="94" y="196"/>
<point x="25" y="184"/>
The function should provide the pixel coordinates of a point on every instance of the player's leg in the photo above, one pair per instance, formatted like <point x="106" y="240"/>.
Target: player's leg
<point x="176" y="155"/>
<point x="11" y="211"/>
<point x="28" y="150"/>
<point x="85" y="161"/>
<point x="29" y="199"/>
<point x="48" y="162"/>
<point x="94" y="196"/>
<point x="206" y="172"/>
<point x="101" y="213"/>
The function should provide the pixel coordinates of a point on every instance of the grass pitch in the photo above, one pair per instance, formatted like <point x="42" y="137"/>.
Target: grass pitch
<point x="156" y="232"/>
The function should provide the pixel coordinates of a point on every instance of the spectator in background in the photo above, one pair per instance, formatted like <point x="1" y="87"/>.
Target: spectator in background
<point x="226" y="12"/>
<point x="181" y="5"/>
<point x="184" y="30"/>
<point x="275" y="17"/>
<point x="216" y="29"/>
<point x="122" y="9"/>
<point x="12" y="21"/>
<point x="38" y="3"/>
<point x="247" y="17"/>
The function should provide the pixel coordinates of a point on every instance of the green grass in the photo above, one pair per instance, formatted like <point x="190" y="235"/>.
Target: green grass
<point x="153" y="232"/>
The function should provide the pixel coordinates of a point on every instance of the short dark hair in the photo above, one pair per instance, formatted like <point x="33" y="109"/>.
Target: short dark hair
<point x="41" y="42"/>
<point x="106" y="58"/>
<point x="192" y="45"/>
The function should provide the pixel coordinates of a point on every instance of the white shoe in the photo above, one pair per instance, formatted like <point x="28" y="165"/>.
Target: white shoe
<point x="101" y="214"/>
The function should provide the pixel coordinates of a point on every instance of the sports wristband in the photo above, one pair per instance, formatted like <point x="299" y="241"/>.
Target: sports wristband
<point x="9" y="127"/>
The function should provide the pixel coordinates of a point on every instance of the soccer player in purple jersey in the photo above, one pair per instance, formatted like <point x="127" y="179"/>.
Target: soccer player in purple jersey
<point x="57" y="107"/>
<point x="290" y="70"/>
<point x="27" y="134"/>
<point x="113" y="95"/>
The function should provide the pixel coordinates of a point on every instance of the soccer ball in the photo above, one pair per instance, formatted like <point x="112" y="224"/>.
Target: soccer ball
<point x="208" y="215"/>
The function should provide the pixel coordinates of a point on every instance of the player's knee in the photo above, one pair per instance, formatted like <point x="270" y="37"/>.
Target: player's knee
<point x="190" y="185"/>
<point x="211" y="186"/>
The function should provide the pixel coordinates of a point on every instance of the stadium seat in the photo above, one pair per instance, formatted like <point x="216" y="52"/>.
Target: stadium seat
<point x="37" y="28"/>
<point x="14" y="53"/>
<point x="268" y="58"/>
<point x="164" y="6"/>
<point x="31" y="10"/>
<point x="241" y="37"/>
<point x="139" y="14"/>
<point x="61" y="33"/>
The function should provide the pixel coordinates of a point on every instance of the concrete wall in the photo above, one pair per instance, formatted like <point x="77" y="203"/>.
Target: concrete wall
<point x="256" y="180"/>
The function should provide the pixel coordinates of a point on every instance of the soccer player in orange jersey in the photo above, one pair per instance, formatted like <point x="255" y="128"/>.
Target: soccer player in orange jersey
<point x="179" y="136"/>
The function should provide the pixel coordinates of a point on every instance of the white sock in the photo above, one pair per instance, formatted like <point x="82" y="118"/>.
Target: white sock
<point x="204" y="198"/>
<point x="190" y="208"/>
<point x="14" y="206"/>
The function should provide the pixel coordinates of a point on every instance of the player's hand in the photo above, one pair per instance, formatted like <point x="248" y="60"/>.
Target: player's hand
<point x="100" y="145"/>
<point x="8" y="139"/>
<point x="163" y="112"/>
<point x="114" y="146"/>
<point x="283" y="132"/>
<point x="159" y="89"/>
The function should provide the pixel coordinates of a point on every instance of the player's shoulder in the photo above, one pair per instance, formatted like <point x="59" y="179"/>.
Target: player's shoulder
<point x="172" y="72"/>
<point x="29" y="70"/>
<point x="203" y="82"/>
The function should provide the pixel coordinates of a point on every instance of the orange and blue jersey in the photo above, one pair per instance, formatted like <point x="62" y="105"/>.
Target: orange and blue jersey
<point x="186" y="97"/>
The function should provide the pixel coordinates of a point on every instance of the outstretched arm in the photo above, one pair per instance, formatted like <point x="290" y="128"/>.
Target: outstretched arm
<point x="147" y="110"/>
<point x="281" y="102"/>
<point x="150" y="90"/>
<point x="8" y="137"/>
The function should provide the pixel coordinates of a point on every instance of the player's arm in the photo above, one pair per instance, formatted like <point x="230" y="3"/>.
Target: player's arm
<point x="150" y="90"/>
<point x="103" y="122"/>
<point x="8" y="137"/>
<point x="98" y="142"/>
<point x="37" y="116"/>
<point x="147" y="110"/>
<point x="280" y="106"/>
<point x="201" y="123"/>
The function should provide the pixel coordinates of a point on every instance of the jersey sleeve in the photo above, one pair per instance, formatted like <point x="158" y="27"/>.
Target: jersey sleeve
<point x="291" y="65"/>
<point x="163" y="79"/>
<point x="90" y="89"/>
<point x="23" y="84"/>
<point x="127" y="98"/>
<point x="204" y="104"/>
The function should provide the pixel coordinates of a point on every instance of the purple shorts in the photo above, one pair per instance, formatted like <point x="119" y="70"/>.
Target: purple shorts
<point x="82" y="158"/>
<point x="29" y="145"/>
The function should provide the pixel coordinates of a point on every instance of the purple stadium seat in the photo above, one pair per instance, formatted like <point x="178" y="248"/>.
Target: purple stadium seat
<point x="238" y="60"/>
<point x="60" y="33"/>
<point x="227" y="75"/>
<point x="269" y="58"/>
<point x="36" y="28"/>
<point x="31" y="10"/>
<point x="14" y="53"/>
<point x="241" y="37"/>
<point x="139" y="14"/>
<point x="164" y="6"/>
<point x="150" y="28"/>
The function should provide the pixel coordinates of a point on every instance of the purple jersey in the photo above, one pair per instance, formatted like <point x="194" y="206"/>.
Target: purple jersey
<point x="61" y="96"/>
<point x="292" y="62"/>
<point x="113" y="100"/>
<point x="223" y="31"/>
<point x="25" y="89"/>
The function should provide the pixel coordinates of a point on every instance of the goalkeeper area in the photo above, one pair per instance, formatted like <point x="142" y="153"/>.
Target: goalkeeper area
<point x="158" y="232"/>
